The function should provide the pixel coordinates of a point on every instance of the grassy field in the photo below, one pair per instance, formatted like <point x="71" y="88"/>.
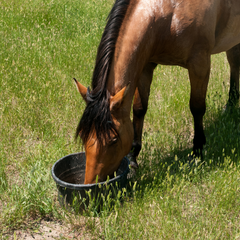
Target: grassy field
<point x="43" y="45"/>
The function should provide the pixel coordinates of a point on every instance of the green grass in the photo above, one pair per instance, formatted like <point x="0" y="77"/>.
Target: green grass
<point x="43" y="45"/>
<point x="181" y="210"/>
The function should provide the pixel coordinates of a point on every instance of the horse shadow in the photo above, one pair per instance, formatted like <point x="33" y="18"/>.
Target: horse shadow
<point x="222" y="132"/>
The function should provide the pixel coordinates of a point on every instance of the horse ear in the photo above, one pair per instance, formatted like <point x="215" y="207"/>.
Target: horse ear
<point x="117" y="100"/>
<point x="81" y="89"/>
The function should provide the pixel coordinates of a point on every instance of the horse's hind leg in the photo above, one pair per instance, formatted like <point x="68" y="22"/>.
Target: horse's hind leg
<point x="233" y="56"/>
<point x="140" y="104"/>
<point x="199" y="70"/>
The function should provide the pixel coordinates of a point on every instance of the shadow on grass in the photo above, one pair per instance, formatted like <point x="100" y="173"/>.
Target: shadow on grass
<point x="222" y="130"/>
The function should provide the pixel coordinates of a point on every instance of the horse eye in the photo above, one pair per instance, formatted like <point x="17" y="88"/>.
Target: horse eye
<point x="114" y="140"/>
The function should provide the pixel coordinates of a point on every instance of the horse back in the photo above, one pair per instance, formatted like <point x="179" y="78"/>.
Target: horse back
<point x="173" y="30"/>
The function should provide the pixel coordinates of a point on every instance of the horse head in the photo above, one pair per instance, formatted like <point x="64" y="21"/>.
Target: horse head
<point x="104" y="155"/>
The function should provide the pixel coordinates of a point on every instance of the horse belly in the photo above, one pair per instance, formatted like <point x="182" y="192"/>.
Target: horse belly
<point x="225" y="44"/>
<point x="229" y="37"/>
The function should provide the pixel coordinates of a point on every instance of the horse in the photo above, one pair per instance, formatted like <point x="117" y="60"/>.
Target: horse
<point x="139" y="35"/>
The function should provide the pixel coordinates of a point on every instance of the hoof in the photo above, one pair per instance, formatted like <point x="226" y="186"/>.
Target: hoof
<point x="194" y="156"/>
<point x="191" y="157"/>
<point x="133" y="164"/>
<point x="228" y="109"/>
<point x="133" y="161"/>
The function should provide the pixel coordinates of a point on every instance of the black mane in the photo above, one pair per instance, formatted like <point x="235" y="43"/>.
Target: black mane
<point x="97" y="112"/>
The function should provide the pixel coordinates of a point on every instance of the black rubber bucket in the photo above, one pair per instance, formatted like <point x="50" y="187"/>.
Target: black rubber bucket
<point x="69" y="173"/>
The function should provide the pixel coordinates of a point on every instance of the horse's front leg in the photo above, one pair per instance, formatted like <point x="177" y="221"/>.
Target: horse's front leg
<point x="139" y="111"/>
<point x="199" y="70"/>
<point x="233" y="56"/>
<point x="140" y="104"/>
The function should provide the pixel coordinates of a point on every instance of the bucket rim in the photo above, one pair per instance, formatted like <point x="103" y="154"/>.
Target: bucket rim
<point x="85" y="186"/>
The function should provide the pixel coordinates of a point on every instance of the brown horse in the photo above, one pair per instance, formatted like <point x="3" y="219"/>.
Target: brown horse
<point x="139" y="35"/>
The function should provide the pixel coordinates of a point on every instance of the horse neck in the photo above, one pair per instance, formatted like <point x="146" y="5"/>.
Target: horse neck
<point x="132" y="52"/>
<point x="120" y="76"/>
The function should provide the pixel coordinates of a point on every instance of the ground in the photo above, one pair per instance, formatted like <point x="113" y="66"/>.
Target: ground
<point x="49" y="231"/>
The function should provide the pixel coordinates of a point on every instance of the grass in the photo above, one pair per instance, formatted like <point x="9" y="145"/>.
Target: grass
<point x="44" y="44"/>
<point x="182" y="210"/>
